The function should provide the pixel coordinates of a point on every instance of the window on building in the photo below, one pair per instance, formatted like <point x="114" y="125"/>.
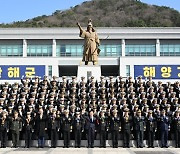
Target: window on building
<point x="50" y="70"/>
<point x="11" y="50"/>
<point x="127" y="70"/>
<point x="170" y="49"/>
<point x="110" y="70"/>
<point x="110" y="50"/>
<point x="140" y="50"/>
<point x="39" y="50"/>
<point x="68" y="70"/>
<point x="77" y="50"/>
<point x="69" y="50"/>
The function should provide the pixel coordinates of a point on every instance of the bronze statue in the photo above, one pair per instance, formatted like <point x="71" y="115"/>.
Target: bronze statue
<point x="91" y="44"/>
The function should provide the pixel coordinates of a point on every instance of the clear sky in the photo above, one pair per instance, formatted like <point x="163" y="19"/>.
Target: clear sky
<point x="19" y="10"/>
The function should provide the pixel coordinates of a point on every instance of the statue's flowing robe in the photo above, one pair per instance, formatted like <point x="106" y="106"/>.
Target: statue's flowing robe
<point x="91" y="40"/>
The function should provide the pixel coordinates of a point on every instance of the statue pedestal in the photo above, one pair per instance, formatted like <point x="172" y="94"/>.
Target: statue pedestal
<point x="89" y="70"/>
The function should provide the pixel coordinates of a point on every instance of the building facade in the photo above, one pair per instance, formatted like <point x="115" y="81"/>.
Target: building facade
<point x="58" y="51"/>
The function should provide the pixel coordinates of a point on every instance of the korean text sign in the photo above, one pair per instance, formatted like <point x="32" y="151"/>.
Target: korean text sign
<point x="15" y="72"/>
<point x="157" y="71"/>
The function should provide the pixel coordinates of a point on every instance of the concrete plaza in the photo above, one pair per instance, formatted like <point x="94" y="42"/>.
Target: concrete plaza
<point x="107" y="150"/>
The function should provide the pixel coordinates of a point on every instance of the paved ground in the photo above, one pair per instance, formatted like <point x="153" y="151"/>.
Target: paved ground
<point x="90" y="151"/>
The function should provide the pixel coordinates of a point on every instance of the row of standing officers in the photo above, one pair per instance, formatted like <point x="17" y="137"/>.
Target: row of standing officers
<point x="88" y="125"/>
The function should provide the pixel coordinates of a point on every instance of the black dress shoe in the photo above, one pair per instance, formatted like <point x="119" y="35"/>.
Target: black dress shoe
<point x="3" y="146"/>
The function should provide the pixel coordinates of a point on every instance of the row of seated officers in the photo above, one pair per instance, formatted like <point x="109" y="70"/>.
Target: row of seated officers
<point x="70" y="110"/>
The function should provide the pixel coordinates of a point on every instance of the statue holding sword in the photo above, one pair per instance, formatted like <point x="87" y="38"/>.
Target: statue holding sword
<point x="91" y="43"/>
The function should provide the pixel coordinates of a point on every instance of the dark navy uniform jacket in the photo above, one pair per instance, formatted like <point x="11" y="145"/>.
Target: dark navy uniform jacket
<point x="164" y="123"/>
<point x="91" y="123"/>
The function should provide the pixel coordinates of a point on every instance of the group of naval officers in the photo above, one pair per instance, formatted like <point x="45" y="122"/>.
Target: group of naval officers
<point x="69" y="110"/>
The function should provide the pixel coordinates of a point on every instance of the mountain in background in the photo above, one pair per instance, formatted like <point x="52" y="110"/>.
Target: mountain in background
<point x="107" y="13"/>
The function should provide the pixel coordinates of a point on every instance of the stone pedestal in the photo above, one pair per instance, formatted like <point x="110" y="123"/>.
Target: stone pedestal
<point x="89" y="70"/>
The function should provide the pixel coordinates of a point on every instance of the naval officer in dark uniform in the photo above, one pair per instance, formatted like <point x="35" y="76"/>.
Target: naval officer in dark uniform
<point x="4" y="128"/>
<point x="126" y="128"/>
<point x="139" y="122"/>
<point x="78" y="126"/>
<point x="91" y="123"/>
<point x="176" y="125"/>
<point x="151" y="127"/>
<point x="115" y="127"/>
<point x="54" y="126"/>
<point x="41" y="127"/>
<point x="164" y="129"/>
<point x="29" y="129"/>
<point x="67" y="128"/>
<point x="103" y="126"/>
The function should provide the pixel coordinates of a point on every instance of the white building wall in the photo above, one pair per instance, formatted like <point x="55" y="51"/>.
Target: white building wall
<point x="56" y="36"/>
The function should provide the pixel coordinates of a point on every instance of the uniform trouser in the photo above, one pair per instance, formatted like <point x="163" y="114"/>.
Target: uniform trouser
<point x="177" y="138"/>
<point x="164" y="137"/>
<point x="91" y="135"/>
<point x="115" y="138"/>
<point x="66" y="135"/>
<point x="84" y="134"/>
<point x="102" y="138"/>
<point x="126" y="137"/>
<point x="158" y="134"/>
<point x="3" y="135"/>
<point x="72" y="135"/>
<point x="28" y="138"/>
<point x="15" y="138"/>
<point x="150" y="138"/>
<point x="60" y="134"/>
<point x="54" y="136"/>
<point x="41" y="141"/>
<point x="139" y="138"/>
<point x="21" y="134"/>
<point x="78" y="135"/>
